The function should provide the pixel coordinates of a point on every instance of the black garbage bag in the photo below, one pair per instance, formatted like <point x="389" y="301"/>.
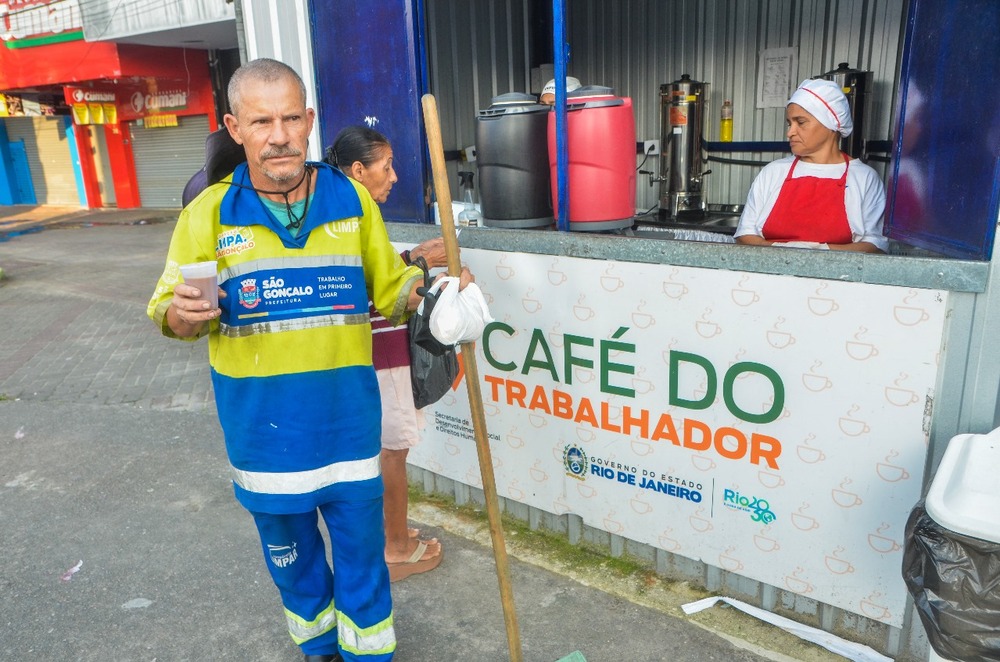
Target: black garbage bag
<point x="955" y="583"/>
<point x="433" y="365"/>
<point x="420" y="320"/>
<point x="431" y="375"/>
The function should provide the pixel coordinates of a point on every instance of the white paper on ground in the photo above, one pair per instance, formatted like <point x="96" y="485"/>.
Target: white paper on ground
<point x="831" y="642"/>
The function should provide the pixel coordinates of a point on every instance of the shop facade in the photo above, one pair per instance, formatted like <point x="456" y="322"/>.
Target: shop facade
<point x="97" y="124"/>
<point x="147" y="134"/>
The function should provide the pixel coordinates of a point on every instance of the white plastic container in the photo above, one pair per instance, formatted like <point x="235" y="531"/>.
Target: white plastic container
<point x="965" y="492"/>
<point x="456" y="209"/>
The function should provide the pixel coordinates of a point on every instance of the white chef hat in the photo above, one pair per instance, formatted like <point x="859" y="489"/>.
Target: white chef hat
<point x="571" y="84"/>
<point x="824" y="100"/>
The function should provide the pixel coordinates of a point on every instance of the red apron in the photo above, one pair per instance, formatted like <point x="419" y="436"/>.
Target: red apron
<point x="810" y="209"/>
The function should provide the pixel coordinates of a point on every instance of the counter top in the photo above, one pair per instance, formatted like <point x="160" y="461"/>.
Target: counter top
<point x="706" y="252"/>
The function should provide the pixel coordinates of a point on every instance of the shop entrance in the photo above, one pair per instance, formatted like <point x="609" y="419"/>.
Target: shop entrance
<point x="102" y="165"/>
<point x="165" y="159"/>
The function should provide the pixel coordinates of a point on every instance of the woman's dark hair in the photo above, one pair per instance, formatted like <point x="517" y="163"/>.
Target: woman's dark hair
<point x="355" y="143"/>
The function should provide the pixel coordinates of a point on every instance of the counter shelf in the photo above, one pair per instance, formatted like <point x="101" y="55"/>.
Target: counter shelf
<point x="897" y="268"/>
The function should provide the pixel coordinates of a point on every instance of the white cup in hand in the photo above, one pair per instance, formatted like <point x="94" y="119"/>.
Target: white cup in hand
<point x="204" y="276"/>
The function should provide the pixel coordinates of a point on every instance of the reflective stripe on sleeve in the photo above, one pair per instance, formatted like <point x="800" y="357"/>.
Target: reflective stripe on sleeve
<point x="243" y="268"/>
<point x="378" y="639"/>
<point x="304" y="482"/>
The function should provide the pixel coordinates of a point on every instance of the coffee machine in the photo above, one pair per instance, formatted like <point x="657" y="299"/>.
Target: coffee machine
<point x="682" y="111"/>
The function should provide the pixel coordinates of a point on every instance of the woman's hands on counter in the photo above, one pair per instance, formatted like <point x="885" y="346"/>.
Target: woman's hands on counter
<point x="802" y="244"/>
<point x="857" y="247"/>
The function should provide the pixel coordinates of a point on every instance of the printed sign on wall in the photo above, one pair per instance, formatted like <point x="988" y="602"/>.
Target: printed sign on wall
<point x="772" y="426"/>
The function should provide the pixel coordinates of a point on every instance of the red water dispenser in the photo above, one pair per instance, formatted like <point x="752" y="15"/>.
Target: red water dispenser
<point x="601" y="167"/>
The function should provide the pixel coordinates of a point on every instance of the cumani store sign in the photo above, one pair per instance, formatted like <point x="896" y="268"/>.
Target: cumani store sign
<point x="92" y="106"/>
<point x="27" y="23"/>
<point x="130" y="102"/>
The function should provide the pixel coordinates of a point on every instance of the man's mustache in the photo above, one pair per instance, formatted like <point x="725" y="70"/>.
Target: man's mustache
<point x="279" y="152"/>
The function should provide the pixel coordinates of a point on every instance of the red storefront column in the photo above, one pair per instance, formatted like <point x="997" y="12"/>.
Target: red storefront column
<point x="122" y="165"/>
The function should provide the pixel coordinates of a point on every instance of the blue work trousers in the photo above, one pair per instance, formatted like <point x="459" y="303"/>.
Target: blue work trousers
<point x="347" y="609"/>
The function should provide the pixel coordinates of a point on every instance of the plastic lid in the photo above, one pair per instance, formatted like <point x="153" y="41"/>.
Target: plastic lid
<point x="965" y="492"/>
<point x="513" y="98"/>
<point x="512" y="103"/>
<point x="592" y="96"/>
<point x="843" y="68"/>
<point x="591" y="91"/>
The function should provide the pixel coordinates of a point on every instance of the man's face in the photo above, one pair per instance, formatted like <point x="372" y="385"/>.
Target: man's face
<point x="273" y="125"/>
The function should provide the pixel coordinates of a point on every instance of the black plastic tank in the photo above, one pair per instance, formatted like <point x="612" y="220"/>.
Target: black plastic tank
<point x="513" y="161"/>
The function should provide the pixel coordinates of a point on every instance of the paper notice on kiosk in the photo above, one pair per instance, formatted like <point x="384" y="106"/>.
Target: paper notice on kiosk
<point x="774" y="80"/>
<point x="831" y="642"/>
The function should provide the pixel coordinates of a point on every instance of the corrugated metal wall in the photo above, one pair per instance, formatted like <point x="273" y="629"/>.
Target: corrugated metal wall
<point x="281" y="30"/>
<point x="479" y="49"/>
<point x="475" y="51"/>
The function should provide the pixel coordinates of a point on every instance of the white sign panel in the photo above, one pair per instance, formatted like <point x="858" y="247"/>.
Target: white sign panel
<point x="772" y="426"/>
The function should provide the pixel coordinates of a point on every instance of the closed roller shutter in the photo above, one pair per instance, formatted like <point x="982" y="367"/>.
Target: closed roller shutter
<point x="165" y="159"/>
<point x="46" y="144"/>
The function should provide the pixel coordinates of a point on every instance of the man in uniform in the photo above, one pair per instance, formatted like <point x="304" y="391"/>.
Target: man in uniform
<point x="300" y="249"/>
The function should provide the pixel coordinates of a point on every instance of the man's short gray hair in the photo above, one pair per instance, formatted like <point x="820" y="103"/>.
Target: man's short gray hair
<point x="264" y="70"/>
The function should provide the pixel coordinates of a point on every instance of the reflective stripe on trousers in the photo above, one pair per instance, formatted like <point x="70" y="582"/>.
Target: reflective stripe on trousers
<point x="304" y="482"/>
<point x="378" y="639"/>
<point x="303" y="630"/>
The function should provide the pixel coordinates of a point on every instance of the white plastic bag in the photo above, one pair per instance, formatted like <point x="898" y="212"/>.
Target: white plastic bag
<point x="459" y="316"/>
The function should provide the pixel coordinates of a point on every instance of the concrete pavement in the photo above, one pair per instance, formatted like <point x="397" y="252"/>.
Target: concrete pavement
<point x="122" y="539"/>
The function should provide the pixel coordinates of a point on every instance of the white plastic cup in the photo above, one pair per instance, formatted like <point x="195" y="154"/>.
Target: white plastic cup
<point x="204" y="276"/>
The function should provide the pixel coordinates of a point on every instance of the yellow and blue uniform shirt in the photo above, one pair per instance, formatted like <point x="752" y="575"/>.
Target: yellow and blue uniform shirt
<point x="291" y="353"/>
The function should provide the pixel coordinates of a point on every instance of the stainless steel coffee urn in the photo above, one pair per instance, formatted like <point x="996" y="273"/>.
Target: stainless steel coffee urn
<point x="857" y="85"/>
<point x="682" y="110"/>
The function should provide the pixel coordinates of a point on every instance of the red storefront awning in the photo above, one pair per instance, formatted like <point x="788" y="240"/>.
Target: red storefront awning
<point x="53" y="64"/>
<point x="78" y="61"/>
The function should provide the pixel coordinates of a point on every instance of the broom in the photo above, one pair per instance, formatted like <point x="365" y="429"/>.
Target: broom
<point x="432" y="125"/>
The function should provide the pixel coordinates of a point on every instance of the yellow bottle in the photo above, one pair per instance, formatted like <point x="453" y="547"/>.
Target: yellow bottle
<point x="726" y="123"/>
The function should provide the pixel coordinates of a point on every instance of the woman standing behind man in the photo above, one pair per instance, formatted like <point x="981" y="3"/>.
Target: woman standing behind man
<point x="365" y="155"/>
<point x="818" y="197"/>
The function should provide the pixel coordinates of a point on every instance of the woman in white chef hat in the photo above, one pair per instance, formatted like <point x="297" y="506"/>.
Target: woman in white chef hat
<point x="818" y="197"/>
<point x="548" y="95"/>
